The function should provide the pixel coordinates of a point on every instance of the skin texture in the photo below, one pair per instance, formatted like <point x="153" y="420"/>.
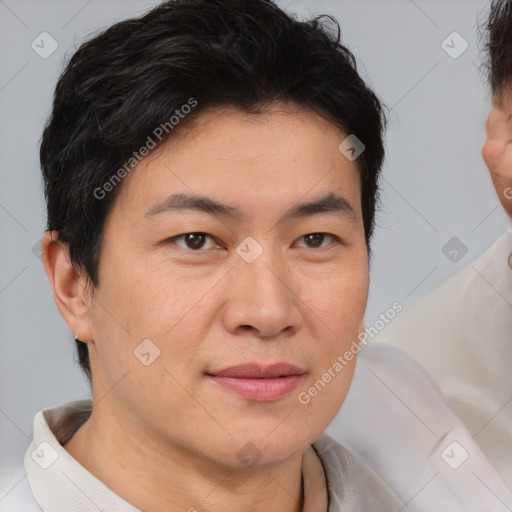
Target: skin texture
<point x="497" y="152"/>
<point x="163" y="436"/>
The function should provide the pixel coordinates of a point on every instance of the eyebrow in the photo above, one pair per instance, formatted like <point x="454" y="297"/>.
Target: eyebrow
<point x="330" y="203"/>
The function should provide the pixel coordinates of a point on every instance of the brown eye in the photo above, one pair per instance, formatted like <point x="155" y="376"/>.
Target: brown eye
<point x="314" y="239"/>
<point x="318" y="240"/>
<point x="194" y="240"/>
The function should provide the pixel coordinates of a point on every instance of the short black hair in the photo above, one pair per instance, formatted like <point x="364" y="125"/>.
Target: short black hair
<point x="123" y="83"/>
<point x="498" y="46"/>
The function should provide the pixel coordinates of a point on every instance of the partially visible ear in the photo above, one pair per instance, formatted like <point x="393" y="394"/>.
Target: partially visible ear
<point x="70" y="288"/>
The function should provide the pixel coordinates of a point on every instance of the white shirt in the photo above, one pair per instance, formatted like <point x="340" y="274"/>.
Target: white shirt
<point x="396" y="420"/>
<point x="56" y="482"/>
<point x="461" y="333"/>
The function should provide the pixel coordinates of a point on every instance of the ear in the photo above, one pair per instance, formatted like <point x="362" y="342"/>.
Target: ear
<point x="70" y="289"/>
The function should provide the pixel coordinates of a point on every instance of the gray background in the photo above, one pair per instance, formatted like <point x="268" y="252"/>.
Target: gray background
<point x="435" y="183"/>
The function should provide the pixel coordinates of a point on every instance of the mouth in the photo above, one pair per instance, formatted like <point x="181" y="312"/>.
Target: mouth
<point x="257" y="382"/>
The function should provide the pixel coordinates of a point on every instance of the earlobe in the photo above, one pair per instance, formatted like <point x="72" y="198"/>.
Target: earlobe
<point x="69" y="286"/>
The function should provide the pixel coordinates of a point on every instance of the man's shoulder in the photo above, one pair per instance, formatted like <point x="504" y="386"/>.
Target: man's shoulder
<point x="396" y="420"/>
<point x="351" y="483"/>
<point x="448" y="312"/>
<point x="15" y="492"/>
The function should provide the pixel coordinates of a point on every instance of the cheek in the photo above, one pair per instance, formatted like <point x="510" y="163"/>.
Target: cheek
<point x="158" y="301"/>
<point x="133" y="305"/>
<point x="340" y="302"/>
<point x="337" y="310"/>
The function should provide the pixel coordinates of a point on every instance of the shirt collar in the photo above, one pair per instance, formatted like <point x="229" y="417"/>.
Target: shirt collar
<point x="60" y="483"/>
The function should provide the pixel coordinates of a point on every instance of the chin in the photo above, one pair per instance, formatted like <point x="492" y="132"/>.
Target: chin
<point x="272" y="444"/>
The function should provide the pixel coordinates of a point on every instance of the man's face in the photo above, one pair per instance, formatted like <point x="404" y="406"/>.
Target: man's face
<point x="208" y="302"/>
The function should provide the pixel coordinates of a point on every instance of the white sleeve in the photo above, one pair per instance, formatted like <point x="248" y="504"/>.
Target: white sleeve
<point x="460" y="333"/>
<point x="397" y="421"/>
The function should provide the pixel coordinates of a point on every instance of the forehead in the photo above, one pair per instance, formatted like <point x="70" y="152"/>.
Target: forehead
<point x="259" y="161"/>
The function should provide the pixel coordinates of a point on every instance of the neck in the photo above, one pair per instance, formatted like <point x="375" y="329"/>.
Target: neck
<point x="157" y="474"/>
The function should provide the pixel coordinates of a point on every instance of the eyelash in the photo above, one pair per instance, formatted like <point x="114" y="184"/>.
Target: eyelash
<point x="173" y="239"/>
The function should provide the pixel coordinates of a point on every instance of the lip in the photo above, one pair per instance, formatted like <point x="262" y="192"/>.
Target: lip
<point x="258" y="371"/>
<point x="257" y="382"/>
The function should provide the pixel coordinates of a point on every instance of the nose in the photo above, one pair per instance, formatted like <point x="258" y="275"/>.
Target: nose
<point x="263" y="299"/>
